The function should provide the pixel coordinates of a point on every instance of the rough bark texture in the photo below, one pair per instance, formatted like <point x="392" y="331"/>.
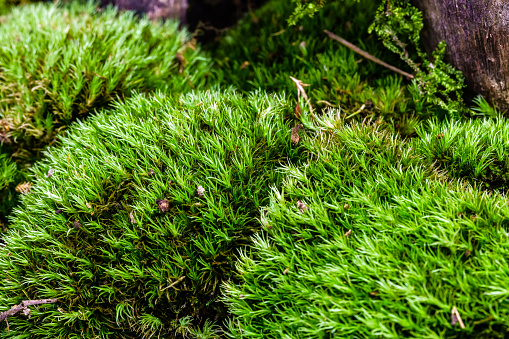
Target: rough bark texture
<point x="155" y="9"/>
<point x="477" y="35"/>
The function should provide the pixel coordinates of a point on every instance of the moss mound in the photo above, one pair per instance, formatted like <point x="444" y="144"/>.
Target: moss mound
<point x="474" y="150"/>
<point x="136" y="219"/>
<point x="58" y="63"/>
<point x="367" y="240"/>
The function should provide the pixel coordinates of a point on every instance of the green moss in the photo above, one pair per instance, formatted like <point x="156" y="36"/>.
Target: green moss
<point x="366" y="240"/>
<point x="59" y="63"/>
<point x="116" y="229"/>
<point x="263" y="52"/>
<point x="474" y="150"/>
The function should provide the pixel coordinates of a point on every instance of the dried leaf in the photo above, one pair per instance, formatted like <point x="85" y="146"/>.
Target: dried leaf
<point x="295" y="134"/>
<point x="200" y="190"/>
<point x="131" y="216"/>
<point x="302" y="206"/>
<point x="164" y="205"/>
<point x="300" y="91"/>
<point x="76" y="224"/>
<point x="24" y="187"/>
<point x="298" y="111"/>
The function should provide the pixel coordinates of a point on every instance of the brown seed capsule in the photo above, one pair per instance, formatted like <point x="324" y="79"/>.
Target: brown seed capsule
<point x="164" y="205"/>
<point x="346" y="207"/>
<point x="76" y="224"/>
<point x="302" y="206"/>
<point x="295" y="134"/>
<point x="440" y="136"/>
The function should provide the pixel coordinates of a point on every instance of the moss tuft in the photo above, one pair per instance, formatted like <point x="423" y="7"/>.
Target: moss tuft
<point x="385" y="247"/>
<point x="135" y="221"/>
<point x="60" y="62"/>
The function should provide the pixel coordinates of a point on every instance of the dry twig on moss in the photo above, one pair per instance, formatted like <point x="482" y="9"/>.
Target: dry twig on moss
<point x="367" y="55"/>
<point x="23" y="306"/>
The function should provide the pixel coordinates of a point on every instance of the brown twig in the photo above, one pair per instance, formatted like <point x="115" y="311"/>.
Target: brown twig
<point x="367" y="55"/>
<point x="300" y="90"/>
<point x="24" y="307"/>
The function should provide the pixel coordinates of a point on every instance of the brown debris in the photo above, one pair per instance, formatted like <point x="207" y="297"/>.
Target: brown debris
<point x="244" y="64"/>
<point x="76" y="224"/>
<point x="300" y="91"/>
<point x="200" y="191"/>
<point x="346" y="207"/>
<point x="367" y="55"/>
<point x="302" y="206"/>
<point x="456" y="318"/>
<point x="348" y="233"/>
<point x="298" y="111"/>
<point x="440" y="135"/>
<point x="24" y="187"/>
<point x="23" y="306"/>
<point x="295" y="134"/>
<point x="286" y="270"/>
<point x="164" y="205"/>
<point x="131" y="216"/>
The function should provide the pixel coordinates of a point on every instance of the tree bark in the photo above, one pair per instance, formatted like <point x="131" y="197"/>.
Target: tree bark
<point x="155" y="9"/>
<point x="477" y="37"/>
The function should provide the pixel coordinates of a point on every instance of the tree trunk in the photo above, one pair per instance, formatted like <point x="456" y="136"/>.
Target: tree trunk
<point x="477" y="37"/>
<point x="155" y="9"/>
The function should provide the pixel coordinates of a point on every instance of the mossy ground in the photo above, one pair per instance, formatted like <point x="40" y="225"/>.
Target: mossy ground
<point x="229" y="213"/>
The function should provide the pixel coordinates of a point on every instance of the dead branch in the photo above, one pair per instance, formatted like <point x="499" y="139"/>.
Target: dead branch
<point x="24" y="307"/>
<point x="367" y="55"/>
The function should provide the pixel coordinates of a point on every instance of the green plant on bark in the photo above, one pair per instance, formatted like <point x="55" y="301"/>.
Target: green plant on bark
<point x="398" y="25"/>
